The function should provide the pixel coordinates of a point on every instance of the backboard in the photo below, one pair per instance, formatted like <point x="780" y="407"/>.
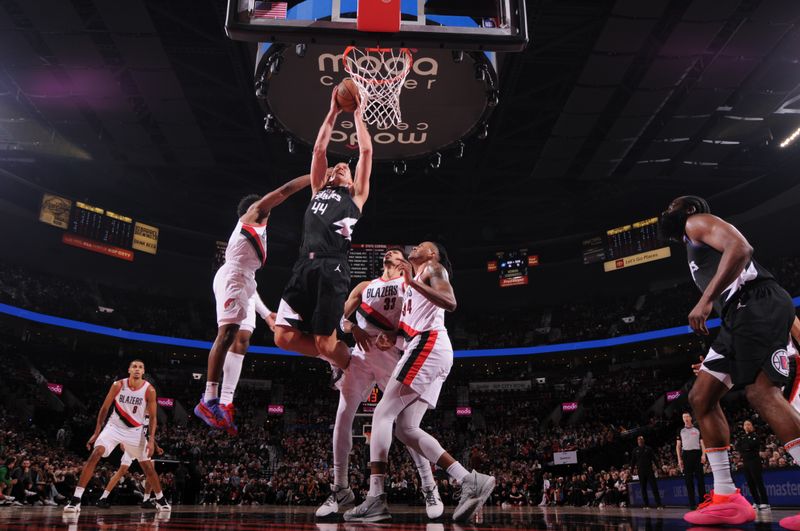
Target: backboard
<point x="444" y="99"/>
<point x="472" y="25"/>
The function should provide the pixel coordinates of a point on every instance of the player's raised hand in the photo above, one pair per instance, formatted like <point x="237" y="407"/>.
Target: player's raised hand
<point x="407" y="270"/>
<point x="335" y="109"/>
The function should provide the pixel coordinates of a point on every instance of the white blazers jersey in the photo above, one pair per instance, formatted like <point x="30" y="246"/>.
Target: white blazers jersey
<point x="247" y="247"/>
<point x="381" y="304"/>
<point x="419" y="314"/>
<point x="130" y="406"/>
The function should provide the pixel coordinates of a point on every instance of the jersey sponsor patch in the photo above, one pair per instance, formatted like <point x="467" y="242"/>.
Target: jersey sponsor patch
<point x="780" y="362"/>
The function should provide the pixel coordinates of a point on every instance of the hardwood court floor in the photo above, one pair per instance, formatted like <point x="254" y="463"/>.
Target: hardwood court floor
<point x="199" y="518"/>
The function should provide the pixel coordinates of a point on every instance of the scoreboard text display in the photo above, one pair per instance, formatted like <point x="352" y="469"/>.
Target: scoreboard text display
<point x="626" y="246"/>
<point x="98" y="230"/>
<point x="368" y="406"/>
<point x="512" y="267"/>
<point x="366" y="259"/>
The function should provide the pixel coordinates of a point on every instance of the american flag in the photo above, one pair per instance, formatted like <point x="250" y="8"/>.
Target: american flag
<point x="270" y="10"/>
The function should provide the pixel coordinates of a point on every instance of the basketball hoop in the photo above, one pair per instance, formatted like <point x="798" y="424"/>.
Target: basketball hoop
<point x="379" y="74"/>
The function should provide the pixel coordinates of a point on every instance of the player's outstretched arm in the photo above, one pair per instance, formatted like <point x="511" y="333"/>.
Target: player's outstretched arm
<point x="265" y="313"/>
<point x="736" y="253"/>
<point x="153" y="412"/>
<point x="319" y="156"/>
<point x="103" y="413"/>
<point x="364" y="166"/>
<point x="261" y="209"/>
<point x="352" y="303"/>
<point x="439" y="292"/>
<point x="354" y="299"/>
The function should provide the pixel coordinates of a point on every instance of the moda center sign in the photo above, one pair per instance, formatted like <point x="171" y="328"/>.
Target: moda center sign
<point x="442" y="101"/>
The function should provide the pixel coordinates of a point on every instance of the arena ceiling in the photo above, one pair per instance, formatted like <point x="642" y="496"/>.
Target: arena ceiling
<point x="615" y="107"/>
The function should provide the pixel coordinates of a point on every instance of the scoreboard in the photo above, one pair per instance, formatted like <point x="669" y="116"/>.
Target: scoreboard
<point x="626" y="246"/>
<point x="96" y="229"/>
<point x="366" y="259"/>
<point x="101" y="226"/>
<point x="636" y="238"/>
<point x="512" y="267"/>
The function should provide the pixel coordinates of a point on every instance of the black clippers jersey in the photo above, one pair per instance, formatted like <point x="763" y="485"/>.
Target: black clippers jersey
<point x="329" y="221"/>
<point x="703" y="264"/>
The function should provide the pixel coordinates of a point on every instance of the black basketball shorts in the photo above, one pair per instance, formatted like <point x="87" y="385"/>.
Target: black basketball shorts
<point x="754" y="337"/>
<point x="313" y="300"/>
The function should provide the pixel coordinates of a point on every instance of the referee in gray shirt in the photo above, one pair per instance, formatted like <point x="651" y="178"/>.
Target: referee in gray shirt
<point x="690" y="450"/>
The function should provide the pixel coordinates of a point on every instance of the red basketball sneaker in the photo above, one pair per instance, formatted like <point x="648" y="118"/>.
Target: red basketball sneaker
<point x="791" y="522"/>
<point x="722" y="509"/>
<point x="227" y="423"/>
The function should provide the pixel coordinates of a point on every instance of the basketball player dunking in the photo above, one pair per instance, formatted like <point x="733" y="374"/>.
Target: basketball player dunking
<point x="312" y="302"/>
<point x="378" y="304"/>
<point x="238" y="302"/>
<point x="750" y="350"/>
<point x="134" y="399"/>
<point x="415" y="386"/>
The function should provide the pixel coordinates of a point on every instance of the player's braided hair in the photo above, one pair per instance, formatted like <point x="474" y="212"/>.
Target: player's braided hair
<point x="700" y="205"/>
<point x="245" y="203"/>
<point x="444" y="259"/>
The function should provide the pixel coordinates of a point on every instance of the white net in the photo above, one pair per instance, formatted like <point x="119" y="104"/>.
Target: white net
<point x="379" y="74"/>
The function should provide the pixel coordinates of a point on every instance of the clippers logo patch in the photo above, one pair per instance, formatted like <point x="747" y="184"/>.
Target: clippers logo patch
<point x="780" y="362"/>
<point x="230" y="304"/>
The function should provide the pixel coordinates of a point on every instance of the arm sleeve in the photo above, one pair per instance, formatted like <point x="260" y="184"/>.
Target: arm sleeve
<point x="261" y="308"/>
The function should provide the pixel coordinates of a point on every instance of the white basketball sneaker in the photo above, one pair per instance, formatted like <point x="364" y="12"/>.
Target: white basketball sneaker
<point x="340" y="497"/>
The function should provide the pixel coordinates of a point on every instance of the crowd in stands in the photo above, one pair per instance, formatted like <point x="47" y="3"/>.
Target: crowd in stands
<point x="287" y="460"/>
<point x="155" y="312"/>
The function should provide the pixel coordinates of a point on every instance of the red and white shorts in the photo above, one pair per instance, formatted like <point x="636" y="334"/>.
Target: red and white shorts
<point x="132" y="438"/>
<point x="425" y="364"/>
<point x="367" y="369"/>
<point x="235" y="293"/>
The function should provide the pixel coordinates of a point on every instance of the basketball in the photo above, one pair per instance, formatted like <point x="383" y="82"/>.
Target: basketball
<point x="347" y="95"/>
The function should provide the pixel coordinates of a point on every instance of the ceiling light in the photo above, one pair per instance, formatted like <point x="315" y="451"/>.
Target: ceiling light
<point x="791" y="138"/>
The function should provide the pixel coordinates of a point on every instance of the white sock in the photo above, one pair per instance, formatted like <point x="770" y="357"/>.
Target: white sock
<point x="105" y="495"/>
<point x="457" y="472"/>
<point x="231" y="372"/>
<point x="78" y="492"/>
<point x="376" y="484"/>
<point x="146" y="496"/>
<point x="340" y="475"/>
<point x="212" y="391"/>
<point x="159" y="495"/>
<point x="426" y="476"/>
<point x="720" y="462"/>
<point x="793" y="447"/>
